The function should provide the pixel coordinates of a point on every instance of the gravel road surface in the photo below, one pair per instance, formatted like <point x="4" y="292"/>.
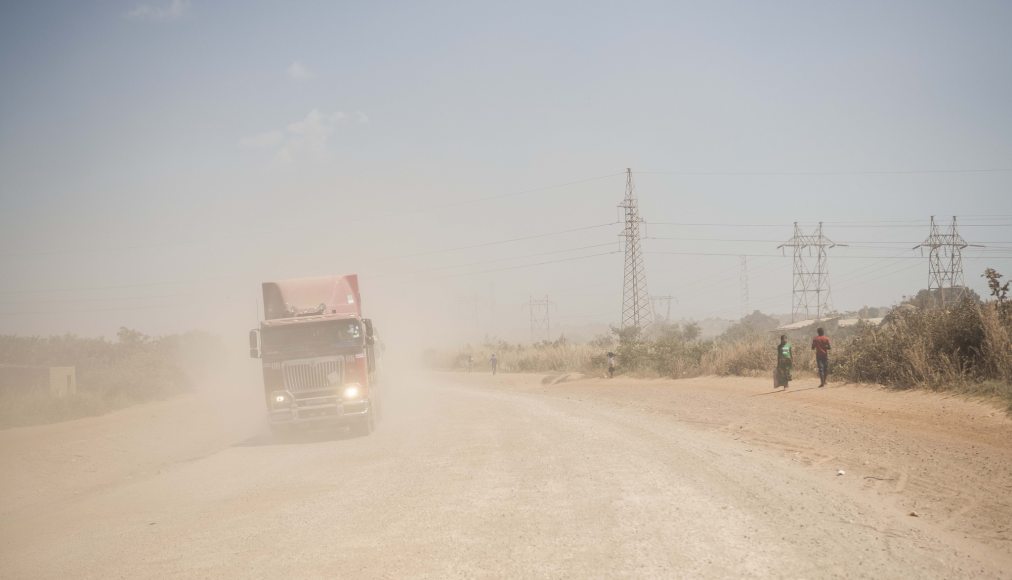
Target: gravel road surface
<point x="522" y="476"/>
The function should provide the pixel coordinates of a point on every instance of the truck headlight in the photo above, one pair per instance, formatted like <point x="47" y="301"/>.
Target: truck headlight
<point x="281" y="398"/>
<point x="352" y="391"/>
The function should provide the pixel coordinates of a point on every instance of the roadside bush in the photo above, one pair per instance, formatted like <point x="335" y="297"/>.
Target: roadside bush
<point x="932" y="347"/>
<point x="110" y="374"/>
<point x="634" y="352"/>
<point x="965" y="347"/>
<point x="546" y="356"/>
<point x="751" y="356"/>
<point x="676" y="352"/>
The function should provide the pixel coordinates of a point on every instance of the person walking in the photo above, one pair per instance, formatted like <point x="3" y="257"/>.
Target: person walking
<point x="821" y="346"/>
<point x="494" y="363"/>
<point x="611" y="365"/>
<point x="782" y="374"/>
<point x="470" y="363"/>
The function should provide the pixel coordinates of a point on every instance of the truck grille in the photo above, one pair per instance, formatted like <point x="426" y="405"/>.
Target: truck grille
<point x="306" y="375"/>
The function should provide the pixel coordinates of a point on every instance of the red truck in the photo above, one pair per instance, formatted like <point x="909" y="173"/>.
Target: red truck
<point x="319" y="355"/>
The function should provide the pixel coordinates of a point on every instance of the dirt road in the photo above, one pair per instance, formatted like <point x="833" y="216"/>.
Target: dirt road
<point x="523" y="476"/>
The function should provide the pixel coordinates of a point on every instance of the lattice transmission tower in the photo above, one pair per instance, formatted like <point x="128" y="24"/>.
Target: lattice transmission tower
<point x="743" y="279"/>
<point x="666" y="301"/>
<point x="637" y="309"/>
<point x="541" y="318"/>
<point x="945" y="260"/>
<point x="811" y="272"/>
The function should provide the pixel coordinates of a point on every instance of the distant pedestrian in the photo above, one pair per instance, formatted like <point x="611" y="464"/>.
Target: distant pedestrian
<point x="821" y="346"/>
<point x="611" y="365"/>
<point x="470" y="363"/>
<point x="785" y="361"/>
<point x="493" y="363"/>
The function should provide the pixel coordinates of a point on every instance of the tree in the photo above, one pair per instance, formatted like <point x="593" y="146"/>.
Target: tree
<point x="751" y="325"/>
<point x="998" y="290"/>
<point x="130" y="337"/>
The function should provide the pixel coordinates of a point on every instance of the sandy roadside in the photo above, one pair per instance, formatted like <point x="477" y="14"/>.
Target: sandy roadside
<point x="944" y="458"/>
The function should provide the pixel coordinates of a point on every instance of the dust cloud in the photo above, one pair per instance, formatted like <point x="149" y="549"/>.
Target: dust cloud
<point x="672" y="182"/>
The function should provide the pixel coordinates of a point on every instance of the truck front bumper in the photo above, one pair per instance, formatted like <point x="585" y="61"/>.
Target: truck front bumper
<point x="340" y="412"/>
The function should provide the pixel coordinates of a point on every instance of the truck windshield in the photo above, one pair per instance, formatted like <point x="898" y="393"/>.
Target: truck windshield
<point x="311" y="335"/>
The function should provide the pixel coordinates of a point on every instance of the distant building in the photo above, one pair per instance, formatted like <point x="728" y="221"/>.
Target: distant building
<point x="57" y="381"/>
<point x="845" y="322"/>
<point x="828" y="323"/>
<point x="801" y="325"/>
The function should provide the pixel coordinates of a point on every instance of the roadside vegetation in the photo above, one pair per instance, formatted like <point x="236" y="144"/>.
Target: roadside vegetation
<point x="963" y="345"/>
<point x="134" y="368"/>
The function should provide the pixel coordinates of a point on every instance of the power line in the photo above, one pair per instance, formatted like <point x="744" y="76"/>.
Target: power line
<point x="69" y="312"/>
<point x="521" y="266"/>
<point x="108" y="299"/>
<point x="722" y="281"/>
<point x="713" y="254"/>
<point x="889" y="272"/>
<point x="495" y="260"/>
<point x="448" y="205"/>
<point x="420" y="210"/>
<point x="919" y="224"/>
<point x="116" y="287"/>
<point x="840" y="256"/>
<point x="836" y="172"/>
<point x="770" y="240"/>
<point x="499" y="242"/>
<point x="873" y="267"/>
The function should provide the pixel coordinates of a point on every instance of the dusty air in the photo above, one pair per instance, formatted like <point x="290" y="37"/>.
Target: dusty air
<point x="518" y="290"/>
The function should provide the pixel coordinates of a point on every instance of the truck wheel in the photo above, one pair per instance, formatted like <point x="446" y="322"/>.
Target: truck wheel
<point x="281" y="434"/>
<point x="363" y="426"/>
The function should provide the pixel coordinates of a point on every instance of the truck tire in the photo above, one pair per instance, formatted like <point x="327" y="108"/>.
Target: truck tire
<point x="363" y="426"/>
<point x="281" y="434"/>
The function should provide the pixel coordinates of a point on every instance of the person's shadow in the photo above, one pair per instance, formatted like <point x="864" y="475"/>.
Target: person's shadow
<point x="788" y="390"/>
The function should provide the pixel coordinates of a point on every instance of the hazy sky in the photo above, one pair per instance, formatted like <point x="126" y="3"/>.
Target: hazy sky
<point x="159" y="159"/>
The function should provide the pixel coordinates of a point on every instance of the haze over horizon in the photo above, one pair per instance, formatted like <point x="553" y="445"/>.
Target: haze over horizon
<point x="159" y="159"/>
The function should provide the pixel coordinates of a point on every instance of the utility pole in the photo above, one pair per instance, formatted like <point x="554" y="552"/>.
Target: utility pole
<point x="666" y="300"/>
<point x="810" y="279"/>
<point x="637" y="309"/>
<point x="945" y="260"/>
<point x="743" y="278"/>
<point x="541" y="321"/>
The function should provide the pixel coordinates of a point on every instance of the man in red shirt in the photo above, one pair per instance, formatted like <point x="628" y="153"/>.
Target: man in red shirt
<point x="821" y="346"/>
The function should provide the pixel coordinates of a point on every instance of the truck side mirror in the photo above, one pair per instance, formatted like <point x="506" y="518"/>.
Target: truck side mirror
<point x="370" y="337"/>
<point x="254" y="344"/>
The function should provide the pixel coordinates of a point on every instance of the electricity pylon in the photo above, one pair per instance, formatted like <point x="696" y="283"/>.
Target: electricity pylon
<point x="637" y="309"/>
<point x="810" y="279"/>
<point x="945" y="260"/>
<point x="541" y="320"/>
<point x="743" y="279"/>
<point x="666" y="300"/>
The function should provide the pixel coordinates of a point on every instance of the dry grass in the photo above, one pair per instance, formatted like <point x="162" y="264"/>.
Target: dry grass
<point x="110" y="375"/>
<point x="966" y="348"/>
<point x="518" y="358"/>
<point x="751" y="356"/>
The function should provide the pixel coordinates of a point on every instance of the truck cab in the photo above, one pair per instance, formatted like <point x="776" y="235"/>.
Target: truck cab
<point x="320" y="363"/>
